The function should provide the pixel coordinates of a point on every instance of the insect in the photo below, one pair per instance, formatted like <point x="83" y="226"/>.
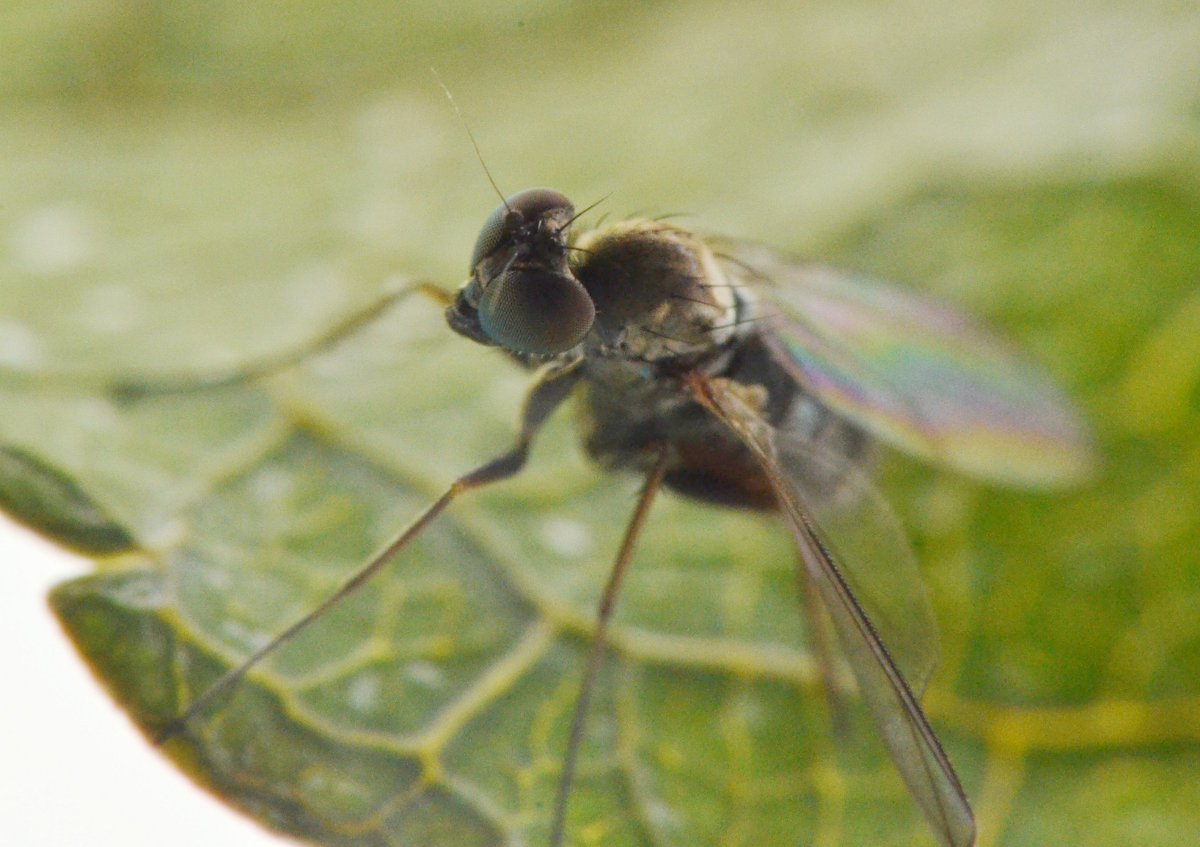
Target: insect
<point x="731" y="375"/>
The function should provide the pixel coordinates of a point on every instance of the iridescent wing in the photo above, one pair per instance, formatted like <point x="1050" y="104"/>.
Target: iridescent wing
<point x="915" y="372"/>
<point x="910" y="740"/>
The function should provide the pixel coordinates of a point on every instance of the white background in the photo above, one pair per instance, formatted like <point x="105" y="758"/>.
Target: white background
<point x="73" y="770"/>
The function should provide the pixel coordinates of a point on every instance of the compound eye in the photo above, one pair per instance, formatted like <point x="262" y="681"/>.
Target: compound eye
<point x="492" y="234"/>
<point x="534" y="203"/>
<point x="519" y="209"/>
<point x="538" y="312"/>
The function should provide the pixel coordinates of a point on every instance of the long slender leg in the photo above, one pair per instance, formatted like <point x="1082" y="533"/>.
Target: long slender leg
<point x="130" y="389"/>
<point x="551" y="388"/>
<point x="599" y="639"/>
<point x="910" y="740"/>
<point x="816" y="620"/>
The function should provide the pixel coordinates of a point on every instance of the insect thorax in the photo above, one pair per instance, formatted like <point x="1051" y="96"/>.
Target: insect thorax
<point x="660" y="294"/>
<point x="666" y="306"/>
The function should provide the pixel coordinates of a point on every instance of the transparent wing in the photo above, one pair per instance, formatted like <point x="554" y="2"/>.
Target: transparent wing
<point x="910" y="740"/>
<point x="916" y="373"/>
<point x="863" y="534"/>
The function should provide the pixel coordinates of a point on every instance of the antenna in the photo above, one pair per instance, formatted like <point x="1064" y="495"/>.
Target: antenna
<point x="470" y="135"/>
<point x="586" y="209"/>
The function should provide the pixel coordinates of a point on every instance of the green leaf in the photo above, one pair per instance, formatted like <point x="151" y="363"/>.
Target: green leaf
<point x="47" y="500"/>
<point x="187" y="192"/>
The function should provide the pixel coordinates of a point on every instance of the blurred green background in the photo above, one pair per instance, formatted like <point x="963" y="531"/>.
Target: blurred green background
<point x="188" y="186"/>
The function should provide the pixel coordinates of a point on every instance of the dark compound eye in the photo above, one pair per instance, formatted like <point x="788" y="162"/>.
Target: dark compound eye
<point x="521" y="208"/>
<point x="536" y="311"/>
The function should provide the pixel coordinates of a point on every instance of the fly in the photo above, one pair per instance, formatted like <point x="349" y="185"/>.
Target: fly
<point x="731" y="375"/>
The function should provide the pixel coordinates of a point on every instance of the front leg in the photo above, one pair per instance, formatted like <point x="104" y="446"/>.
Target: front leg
<point x="552" y="386"/>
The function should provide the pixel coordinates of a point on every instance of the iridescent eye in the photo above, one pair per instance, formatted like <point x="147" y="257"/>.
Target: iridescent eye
<point x="536" y="311"/>
<point x="520" y="208"/>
